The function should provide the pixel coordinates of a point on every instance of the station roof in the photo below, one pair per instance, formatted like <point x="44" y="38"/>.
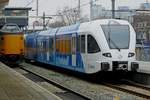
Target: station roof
<point x="3" y="1"/>
<point x="17" y="8"/>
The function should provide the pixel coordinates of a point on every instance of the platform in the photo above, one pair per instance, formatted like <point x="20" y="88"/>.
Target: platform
<point x="14" y="86"/>
<point x="144" y="67"/>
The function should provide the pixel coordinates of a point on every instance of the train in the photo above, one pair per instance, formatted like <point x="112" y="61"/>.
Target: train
<point x="11" y="44"/>
<point x="102" y="45"/>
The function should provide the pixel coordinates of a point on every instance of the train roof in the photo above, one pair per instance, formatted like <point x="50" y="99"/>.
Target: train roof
<point x="61" y="30"/>
<point x="45" y="32"/>
<point x="49" y="32"/>
<point x="53" y="31"/>
<point x="107" y="21"/>
<point x="68" y="29"/>
<point x="74" y="28"/>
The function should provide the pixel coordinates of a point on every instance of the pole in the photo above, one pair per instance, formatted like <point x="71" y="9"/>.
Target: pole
<point x="91" y="13"/>
<point x="79" y="9"/>
<point x="113" y="8"/>
<point x="146" y="1"/>
<point x="44" y="27"/>
<point x="37" y="7"/>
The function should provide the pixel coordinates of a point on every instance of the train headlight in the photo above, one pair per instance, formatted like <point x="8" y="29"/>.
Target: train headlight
<point x="107" y="55"/>
<point x="131" y="54"/>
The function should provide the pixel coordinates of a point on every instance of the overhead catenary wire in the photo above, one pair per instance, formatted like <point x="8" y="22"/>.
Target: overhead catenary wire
<point x="71" y="9"/>
<point x="29" y="3"/>
<point x="82" y="5"/>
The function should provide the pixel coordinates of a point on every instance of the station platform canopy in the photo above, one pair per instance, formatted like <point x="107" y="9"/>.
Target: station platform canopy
<point x="17" y="8"/>
<point x="3" y="3"/>
<point x="17" y="15"/>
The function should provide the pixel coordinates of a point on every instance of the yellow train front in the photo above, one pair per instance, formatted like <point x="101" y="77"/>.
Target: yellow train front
<point x="11" y="44"/>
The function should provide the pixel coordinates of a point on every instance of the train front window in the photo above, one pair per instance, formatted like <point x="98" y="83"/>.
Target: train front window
<point x="118" y="36"/>
<point x="11" y="28"/>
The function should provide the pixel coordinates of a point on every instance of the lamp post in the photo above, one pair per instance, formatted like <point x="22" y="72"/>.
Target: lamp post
<point x="146" y="1"/>
<point x="37" y="7"/>
<point x="113" y="8"/>
<point x="79" y="9"/>
<point x="91" y="6"/>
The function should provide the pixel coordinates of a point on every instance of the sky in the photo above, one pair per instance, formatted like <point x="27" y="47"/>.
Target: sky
<point x="52" y="6"/>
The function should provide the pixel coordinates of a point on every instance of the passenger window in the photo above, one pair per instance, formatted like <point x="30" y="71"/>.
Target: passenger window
<point x="82" y="43"/>
<point x="51" y="44"/>
<point x="78" y="43"/>
<point x="44" y="45"/>
<point x="92" y="45"/>
<point x="61" y="46"/>
<point x="73" y="45"/>
<point x="68" y="44"/>
<point x="57" y="44"/>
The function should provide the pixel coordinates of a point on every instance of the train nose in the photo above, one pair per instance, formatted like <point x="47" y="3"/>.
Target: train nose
<point x="123" y="67"/>
<point x="120" y="66"/>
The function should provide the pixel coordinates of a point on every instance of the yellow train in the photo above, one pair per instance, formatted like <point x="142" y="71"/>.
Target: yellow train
<point x="11" y="44"/>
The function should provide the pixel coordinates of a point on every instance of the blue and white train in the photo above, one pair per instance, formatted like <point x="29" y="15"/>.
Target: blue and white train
<point x="91" y="47"/>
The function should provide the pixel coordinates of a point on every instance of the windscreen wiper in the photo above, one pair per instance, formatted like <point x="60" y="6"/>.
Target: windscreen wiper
<point x="109" y="39"/>
<point x="114" y="44"/>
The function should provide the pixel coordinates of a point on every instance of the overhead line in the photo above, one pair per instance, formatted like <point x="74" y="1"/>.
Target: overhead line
<point x="80" y="6"/>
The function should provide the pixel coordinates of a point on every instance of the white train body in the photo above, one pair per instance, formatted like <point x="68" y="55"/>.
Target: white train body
<point x="119" y="59"/>
<point x="104" y="45"/>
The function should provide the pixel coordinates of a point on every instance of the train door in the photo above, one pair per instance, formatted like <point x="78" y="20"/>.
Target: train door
<point x="81" y="55"/>
<point x="39" y="48"/>
<point x="51" y="49"/>
<point x="35" y="48"/>
<point x="73" y="44"/>
<point x="47" y="49"/>
<point x="44" y="49"/>
<point x="93" y="53"/>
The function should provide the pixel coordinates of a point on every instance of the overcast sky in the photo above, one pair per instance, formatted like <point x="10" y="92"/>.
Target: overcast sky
<point x="51" y="6"/>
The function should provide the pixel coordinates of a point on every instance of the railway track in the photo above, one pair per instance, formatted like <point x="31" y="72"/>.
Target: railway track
<point x="61" y="91"/>
<point x="129" y="82"/>
<point x="86" y="90"/>
<point x="132" y="88"/>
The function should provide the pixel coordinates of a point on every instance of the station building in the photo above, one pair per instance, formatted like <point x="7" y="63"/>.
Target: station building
<point x="17" y="15"/>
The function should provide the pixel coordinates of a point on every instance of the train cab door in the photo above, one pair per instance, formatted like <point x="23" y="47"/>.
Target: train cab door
<point x="93" y="53"/>
<point x="81" y="55"/>
<point x="73" y="47"/>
